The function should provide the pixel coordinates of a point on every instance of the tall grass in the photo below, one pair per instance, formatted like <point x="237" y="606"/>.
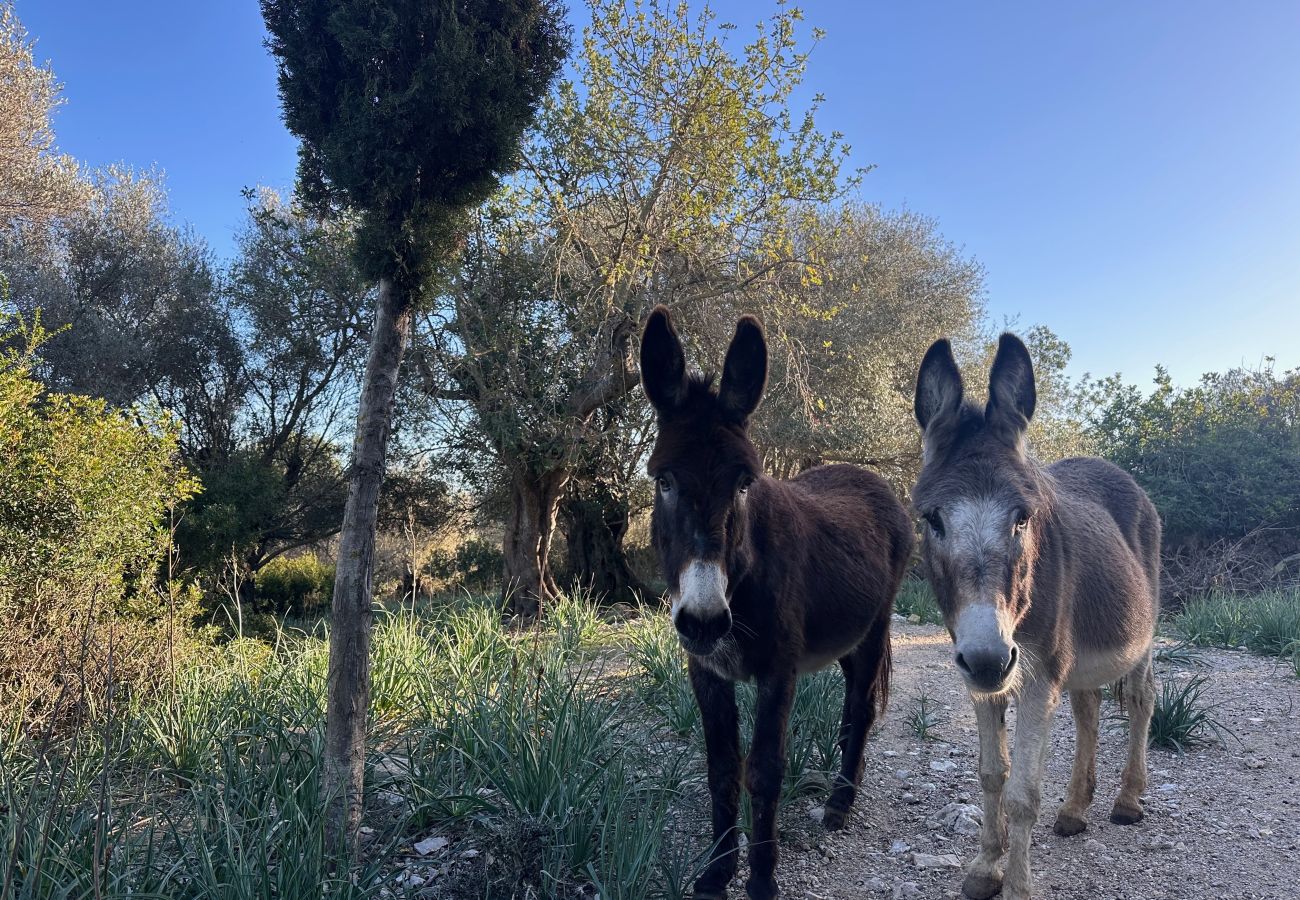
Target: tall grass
<point x="915" y="598"/>
<point x="1267" y="623"/>
<point x="529" y="745"/>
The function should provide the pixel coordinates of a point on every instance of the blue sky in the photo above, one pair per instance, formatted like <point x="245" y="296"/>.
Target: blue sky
<point x="1129" y="174"/>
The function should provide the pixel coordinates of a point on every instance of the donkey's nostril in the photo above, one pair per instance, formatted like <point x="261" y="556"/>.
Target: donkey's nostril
<point x="987" y="668"/>
<point x="1011" y="661"/>
<point x="701" y="631"/>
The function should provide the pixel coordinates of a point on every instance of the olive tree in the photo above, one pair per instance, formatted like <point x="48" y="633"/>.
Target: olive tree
<point x="408" y="111"/>
<point x="663" y="171"/>
<point x="36" y="181"/>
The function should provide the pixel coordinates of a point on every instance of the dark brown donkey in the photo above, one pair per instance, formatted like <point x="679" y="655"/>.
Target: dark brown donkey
<point x="768" y="579"/>
<point x="1049" y="580"/>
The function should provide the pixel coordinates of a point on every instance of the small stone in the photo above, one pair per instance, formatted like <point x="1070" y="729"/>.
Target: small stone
<point x="903" y="774"/>
<point x="1167" y="788"/>
<point x="909" y="797"/>
<point x="906" y="890"/>
<point x="469" y="854"/>
<point x="936" y="861"/>
<point x="414" y="880"/>
<point x="1255" y="763"/>
<point x="942" y="765"/>
<point x="914" y="619"/>
<point x="899" y="846"/>
<point x="1092" y="845"/>
<point x="431" y="845"/>
<point x="876" y="885"/>
<point x="888" y="753"/>
<point x="816" y="813"/>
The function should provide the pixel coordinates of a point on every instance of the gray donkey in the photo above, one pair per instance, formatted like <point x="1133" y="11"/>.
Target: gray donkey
<point x="1048" y="579"/>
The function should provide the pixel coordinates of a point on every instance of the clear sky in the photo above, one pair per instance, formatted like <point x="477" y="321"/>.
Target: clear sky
<point x="1128" y="173"/>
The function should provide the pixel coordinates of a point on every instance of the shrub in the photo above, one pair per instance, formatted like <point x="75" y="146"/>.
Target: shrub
<point x="299" y="585"/>
<point x="84" y="495"/>
<point x="475" y="566"/>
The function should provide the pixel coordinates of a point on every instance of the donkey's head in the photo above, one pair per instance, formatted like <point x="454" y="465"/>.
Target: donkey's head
<point x="703" y="464"/>
<point x="983" y="501"/>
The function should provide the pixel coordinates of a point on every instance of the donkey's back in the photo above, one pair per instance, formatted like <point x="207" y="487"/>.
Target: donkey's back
<point x="1086" y="481"/>
<point x="1113" y="489"/>
<point x="853" y="527"/>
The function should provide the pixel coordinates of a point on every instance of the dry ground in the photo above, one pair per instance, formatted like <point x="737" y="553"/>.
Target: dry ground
<point x="1223" y="821"/>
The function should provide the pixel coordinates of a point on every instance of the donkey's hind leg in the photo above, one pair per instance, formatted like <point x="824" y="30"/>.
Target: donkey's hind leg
<point x="1072" y="818"/>
<point x="1138" y="691"/>
<point x="866" y="682"/>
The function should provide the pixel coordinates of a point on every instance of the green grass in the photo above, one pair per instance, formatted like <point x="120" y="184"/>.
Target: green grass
<point x="916" y="599"/>
<point x="1267" y="623"/>
<point x="1183" y="653"/>
<point x="924" y="717"/>
<point x="569" y="756"/>
<point x="1182" y="718"/>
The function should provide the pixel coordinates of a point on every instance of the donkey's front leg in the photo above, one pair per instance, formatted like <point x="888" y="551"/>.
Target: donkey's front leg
<point x="984" y="879"/>
<point x="1035" y="706"/>
<point x="717" y="701"/>
<point x="764" y="772"/>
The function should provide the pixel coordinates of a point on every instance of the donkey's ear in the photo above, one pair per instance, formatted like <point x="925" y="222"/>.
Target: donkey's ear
<point x="663" y="364"/>
<point x="744" y="374"/>
<point x="1012" y="396"/>
<point x="938" y="384"/>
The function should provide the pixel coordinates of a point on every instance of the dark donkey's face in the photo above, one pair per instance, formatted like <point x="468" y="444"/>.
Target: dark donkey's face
<point x="703" y="464"/>
<point x="980" y="497"/>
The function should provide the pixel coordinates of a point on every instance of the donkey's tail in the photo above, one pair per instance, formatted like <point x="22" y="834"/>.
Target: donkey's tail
<point x="885" y="669"/>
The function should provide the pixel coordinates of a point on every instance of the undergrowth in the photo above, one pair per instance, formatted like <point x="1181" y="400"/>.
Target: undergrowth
<point x="570" y="757"/>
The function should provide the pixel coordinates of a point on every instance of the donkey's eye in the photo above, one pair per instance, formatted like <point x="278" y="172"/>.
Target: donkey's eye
<point x="664" y="483"/>
<point x="935" y="521"/>
<point x="744" y="484"/>
<point x="1021" y="522"/>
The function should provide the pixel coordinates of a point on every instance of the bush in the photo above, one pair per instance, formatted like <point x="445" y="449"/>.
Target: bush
<point x="300" y="585"/>
<point x="474" y="567"/>
<point x="1221" y="461"/>
<point x="84" y="496"/>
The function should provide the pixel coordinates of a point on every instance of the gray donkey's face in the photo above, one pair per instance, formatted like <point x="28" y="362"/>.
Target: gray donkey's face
<point x="978" y="495"/>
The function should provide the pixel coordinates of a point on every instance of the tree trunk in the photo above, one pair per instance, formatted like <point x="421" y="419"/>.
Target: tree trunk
<point x="349" y="664"/>
<point x="596" y="523"/>
<point x="528" y="587"/>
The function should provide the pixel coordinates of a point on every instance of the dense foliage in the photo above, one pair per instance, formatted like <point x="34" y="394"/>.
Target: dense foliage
<point x="85" y="493"/>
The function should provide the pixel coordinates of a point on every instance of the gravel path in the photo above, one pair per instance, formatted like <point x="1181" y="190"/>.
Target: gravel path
<point x="1223" y="821"/>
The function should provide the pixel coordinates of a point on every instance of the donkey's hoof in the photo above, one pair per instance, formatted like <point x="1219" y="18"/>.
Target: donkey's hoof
<point x="1068" y="825"/>
<point x="982" y="885"/>
<point x="833" y="819"/>
<point x="761" y="888"/>
<point x="1126" y="815"/>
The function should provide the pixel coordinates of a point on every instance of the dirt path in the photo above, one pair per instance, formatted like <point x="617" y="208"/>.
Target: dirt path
<point x="1222" y="821"/>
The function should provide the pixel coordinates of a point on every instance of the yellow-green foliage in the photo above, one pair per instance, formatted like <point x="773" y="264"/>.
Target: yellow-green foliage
<point x="84" y="496"/>
<point x="301" y="585"/>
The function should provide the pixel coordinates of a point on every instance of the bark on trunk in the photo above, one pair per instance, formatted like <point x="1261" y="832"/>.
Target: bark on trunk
<point x="349" y="664"/>
<point x="595" y="525"/>
<point x="528" y="586"/>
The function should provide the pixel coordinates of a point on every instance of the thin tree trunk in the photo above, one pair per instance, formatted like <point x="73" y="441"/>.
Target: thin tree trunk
<point x="528" y="587"/>
<point x="349" y="664"/>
